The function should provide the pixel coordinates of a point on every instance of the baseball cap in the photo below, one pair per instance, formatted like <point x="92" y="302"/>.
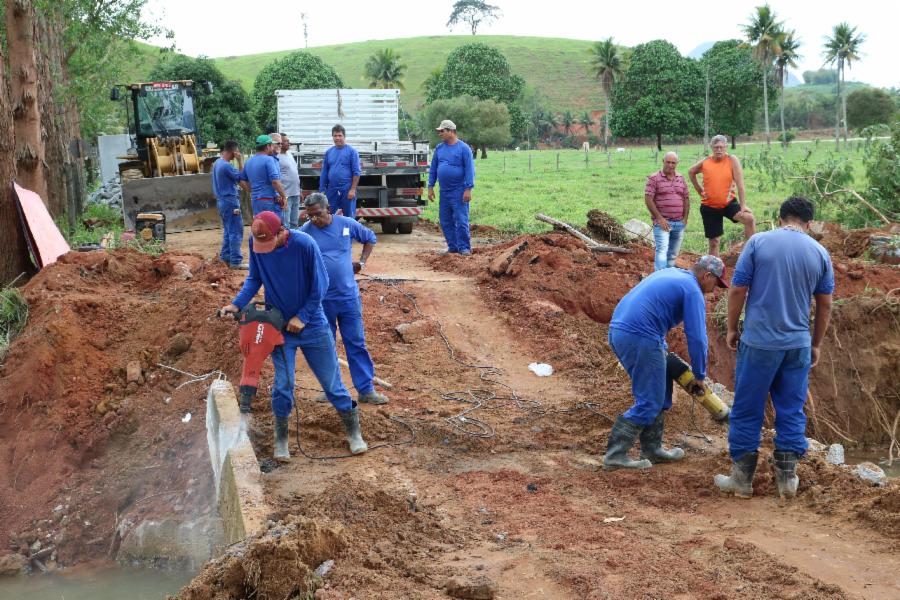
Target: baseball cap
<point x="262" y="140"/>
<point x="447" y="124"/>
<point x="264" y="229"/>
<point x="714" y="265"/>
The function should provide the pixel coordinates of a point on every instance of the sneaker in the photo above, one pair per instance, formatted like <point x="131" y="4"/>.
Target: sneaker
<point x="466" y="253"/>
<point x="239" y="267"/>
<point x="373" y="397"/>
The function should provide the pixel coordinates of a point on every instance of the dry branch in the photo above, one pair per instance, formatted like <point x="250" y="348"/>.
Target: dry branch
<point x="590" y="243"/>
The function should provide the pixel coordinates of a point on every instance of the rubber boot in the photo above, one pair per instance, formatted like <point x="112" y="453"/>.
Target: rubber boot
<point x="785" y="464"/>
<point x="621" y="438"/>
<point x="354" y="434"/>
<point x="321" y="398"/>
<point x="282" y="453"/>
<point x="373" y="397"/>
<point x="740" y="482"/>
<point x="651" y="443"/>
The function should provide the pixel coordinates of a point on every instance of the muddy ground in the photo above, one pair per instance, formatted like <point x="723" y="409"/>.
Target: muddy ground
<point x="503" y="501"/>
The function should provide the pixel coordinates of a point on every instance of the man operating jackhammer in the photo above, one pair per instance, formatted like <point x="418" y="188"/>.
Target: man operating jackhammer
<point x="335" y="234"/>
<point x="288" y="263"/>
<point x="637" y="334"/>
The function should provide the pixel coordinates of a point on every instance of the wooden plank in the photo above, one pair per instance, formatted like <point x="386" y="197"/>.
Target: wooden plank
<point x="48" y="243"/>
<point x="593" y="245"/>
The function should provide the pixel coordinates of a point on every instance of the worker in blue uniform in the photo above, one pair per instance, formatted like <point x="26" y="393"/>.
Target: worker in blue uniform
<point x="343" y="308"/>
<point x="637" y="334"/>
<point x="340" y="174"/>
<point x="262" y="174"/>
<point x="225" y="178"/>
<point x="453" y="167"/>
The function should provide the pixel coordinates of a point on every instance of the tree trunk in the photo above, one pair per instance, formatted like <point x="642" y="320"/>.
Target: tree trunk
<point x="733" y="142"/>
<point x="784" y="141"/>
<point x="606" y="121"/>
<point x="766" y="103"/>
<point x="844" y="104"/>
<point x="14" y="258"/>
<point x="29" y="146"/>
<point x="474" y="148"/>
<point x="483" y="152"/>
<point x="659" y="141"/>
<point x="837" y="111"/>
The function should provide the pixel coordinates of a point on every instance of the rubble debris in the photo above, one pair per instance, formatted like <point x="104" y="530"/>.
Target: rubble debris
<point x="417" y="330"/>
<point x="835" y="454"/>
<point x="869" y="471"/>
<point x="477" y="588"/>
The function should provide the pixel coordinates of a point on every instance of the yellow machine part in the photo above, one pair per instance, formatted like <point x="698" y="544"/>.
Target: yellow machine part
<point x="707" y="399"/>
<point x="173" y="156"/>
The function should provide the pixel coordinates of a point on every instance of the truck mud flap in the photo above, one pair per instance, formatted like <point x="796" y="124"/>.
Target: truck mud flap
<point x="186" y="200"/>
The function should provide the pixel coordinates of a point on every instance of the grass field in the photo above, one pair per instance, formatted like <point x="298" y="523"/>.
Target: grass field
<point x="507" y="195"/>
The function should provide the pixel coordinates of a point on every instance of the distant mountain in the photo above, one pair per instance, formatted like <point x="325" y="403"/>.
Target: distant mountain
<point x="700" y="50"/>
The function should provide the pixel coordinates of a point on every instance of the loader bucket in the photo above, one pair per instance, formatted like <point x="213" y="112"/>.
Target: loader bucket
<point x="186" y="200"/>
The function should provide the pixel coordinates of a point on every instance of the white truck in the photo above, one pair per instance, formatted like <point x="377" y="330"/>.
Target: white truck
<point x="391" y="185"/>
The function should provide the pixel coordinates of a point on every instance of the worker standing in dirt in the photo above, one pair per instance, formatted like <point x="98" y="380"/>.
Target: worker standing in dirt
<point x="668" y="200"/>
<point x="453" y="167"/>
<point x="722" y="175"/>
<point x="290" y="267"/>
<point x="343" y="308"/>
<point x="261" y="172"/>
<point x="225" y="179"/>
<point x="340" y="173"/>
<point x="776" y="278"/>
<point x="290" y="179"/>
<point x="637" y="334"/>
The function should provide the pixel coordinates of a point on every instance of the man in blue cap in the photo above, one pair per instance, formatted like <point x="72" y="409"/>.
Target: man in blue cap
<point x="262" y="173"/>
<point x="225" y="179"/>
<point x="340" y="174"/>
<point x="335" y="235"/>
<point x="776" y="278"/>
<point x="637" y="334"/>
<point x="453" y="167"/>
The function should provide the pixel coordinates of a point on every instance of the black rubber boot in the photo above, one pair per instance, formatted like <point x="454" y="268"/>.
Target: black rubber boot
<point x="354" y="433"/>
<point x="282" y="452"/>
<point x="651" y="443"/>
<point x="621" y="439"/>
<point x="740" y="482"/>
<point x="785" y="464"/>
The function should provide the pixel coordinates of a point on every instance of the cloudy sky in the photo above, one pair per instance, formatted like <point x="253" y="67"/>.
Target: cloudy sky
<point x="238" y="27"/>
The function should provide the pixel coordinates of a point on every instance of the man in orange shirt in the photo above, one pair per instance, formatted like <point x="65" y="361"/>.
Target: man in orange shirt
<point x="722" y="174"/>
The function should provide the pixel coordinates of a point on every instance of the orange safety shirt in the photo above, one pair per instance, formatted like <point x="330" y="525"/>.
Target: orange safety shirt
<point x="717" y="181"/>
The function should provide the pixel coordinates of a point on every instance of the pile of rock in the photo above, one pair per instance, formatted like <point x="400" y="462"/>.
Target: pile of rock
<point x="110" y="194"/>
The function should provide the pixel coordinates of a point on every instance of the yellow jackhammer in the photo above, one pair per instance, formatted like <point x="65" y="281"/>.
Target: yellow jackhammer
<point x="680" y="372"/>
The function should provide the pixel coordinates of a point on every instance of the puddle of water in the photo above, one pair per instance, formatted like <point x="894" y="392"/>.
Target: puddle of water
<point x="96" y="584"/>
<point x="879" y="457"/>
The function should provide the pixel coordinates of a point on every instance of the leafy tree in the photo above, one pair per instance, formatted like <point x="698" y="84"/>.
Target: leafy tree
<point x="787" y="57"/>
<point x="883" y="172"/>
<point x="820" y="77"/>
<point x="586" y="121"/>
<point x="473" y="13"/>
<point x="869" y="106"/>
<point x="297" y="71"/>
<point x="223" y="115"/>
<point x="567" y="120"/>
<point x="384" y="70"/>
<point x="660" y="94"/>
<point x="607" y="65"/>
<point x="734" y="93"/>
<point x="764" y="32"/>
<point x="841" y="49"/>
<point x="480" y="123"/>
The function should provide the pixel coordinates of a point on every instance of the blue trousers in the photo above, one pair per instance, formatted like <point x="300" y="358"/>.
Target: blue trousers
<point x="668" y="244"/>
<point x="337" y="199"/>
<point x="232" y="231"/>
<point x="268" y="204"/>
<point x="454" y="218"/>
<point x="317" y="345"/>
<point x="784" y="374"/>
<point x="645" y="362"/>
<point x="347" y="314"/>
<point x="291" y="216"/>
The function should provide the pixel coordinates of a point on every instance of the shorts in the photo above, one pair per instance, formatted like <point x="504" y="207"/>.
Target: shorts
<point x="713" y="226"/>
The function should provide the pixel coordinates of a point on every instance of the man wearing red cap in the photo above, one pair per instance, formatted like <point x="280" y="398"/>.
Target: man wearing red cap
<point x="290" y="267"/>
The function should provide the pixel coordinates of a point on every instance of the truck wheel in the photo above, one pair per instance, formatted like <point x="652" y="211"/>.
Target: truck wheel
<point x="405" y="227"/>
<point x="388" y="227"/>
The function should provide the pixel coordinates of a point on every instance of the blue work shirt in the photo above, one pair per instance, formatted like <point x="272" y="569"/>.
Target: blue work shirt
<point x="335" y="242"/>
<point x="783" y="268"/>
<point x="260" y="171"/>
<point x="294" y="277"/>
<point x="452" y="166"/>
<point x="660" y="302"/>
<point x="224" y="180"/>
<point x="339" y="167"/>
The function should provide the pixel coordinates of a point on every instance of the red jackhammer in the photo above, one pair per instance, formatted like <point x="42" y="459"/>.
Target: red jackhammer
<point x="260" y="333"/>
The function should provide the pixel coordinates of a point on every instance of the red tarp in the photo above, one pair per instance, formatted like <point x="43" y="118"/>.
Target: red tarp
<point x="44" y="238"/>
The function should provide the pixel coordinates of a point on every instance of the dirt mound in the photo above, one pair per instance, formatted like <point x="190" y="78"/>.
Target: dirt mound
<point x="81" y="389"/>
<point x="279" y="563"/>
<point x="601" y="226"/>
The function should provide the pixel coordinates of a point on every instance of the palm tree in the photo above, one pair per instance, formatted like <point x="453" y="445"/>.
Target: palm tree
<point x="764" y="33"/>
<point x="384" y="70"/>
<point x="586" y="121"/>
<point x="842" y="48"/>
<point x="606" y="64"/>
<point x="567" y="120"/>
<point x="788" y="44"/>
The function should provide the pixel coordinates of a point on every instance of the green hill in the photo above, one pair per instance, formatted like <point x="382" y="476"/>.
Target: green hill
<point x="557" y="68"/>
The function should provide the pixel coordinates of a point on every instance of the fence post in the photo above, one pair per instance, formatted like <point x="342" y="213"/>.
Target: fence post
<point x="504" y="163"/>
<point x="608" y="159"/>
<point x="557" y="161"/>
<point x="529" y="163"/>
<point x="585" y="158"/>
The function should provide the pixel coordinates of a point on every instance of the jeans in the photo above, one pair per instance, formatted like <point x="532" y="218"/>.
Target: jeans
<point x="454" y="218"/>
<point x="668" y="243"/>
<point x="291" y="216"/>
<point x="232" y="231"/>
<point x="265" y="204"/>
<point x="348" y="315"/>
<point x="645" y="362"/>
<point x="784" y="374"/>
<point x="317" y="345"/>
<point x="337" y="199"/>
